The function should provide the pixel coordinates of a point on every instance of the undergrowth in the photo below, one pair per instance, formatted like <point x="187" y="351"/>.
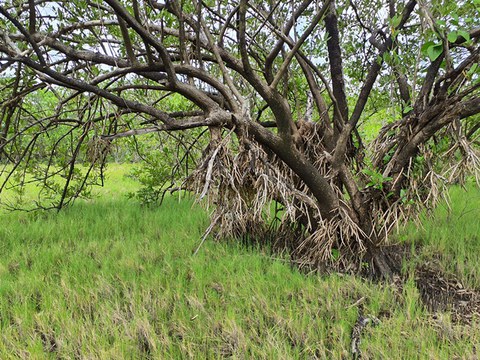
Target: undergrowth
<point x="450" y="234"/>
<point x="110" y="279"/>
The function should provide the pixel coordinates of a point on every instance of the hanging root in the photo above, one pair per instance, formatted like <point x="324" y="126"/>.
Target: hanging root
<point x="256" y="198"/>
<point x="98" y="149"/>
<point x="438" y="164"/>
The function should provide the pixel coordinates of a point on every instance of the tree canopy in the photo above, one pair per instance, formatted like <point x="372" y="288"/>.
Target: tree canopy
<point x="321" y="124"/>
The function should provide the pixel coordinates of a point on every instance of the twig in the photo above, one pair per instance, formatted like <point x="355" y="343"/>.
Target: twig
<point x="361" y="323"/>
<point x="207" y="232"/>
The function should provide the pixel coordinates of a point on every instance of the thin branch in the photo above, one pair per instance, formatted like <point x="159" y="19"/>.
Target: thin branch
<point x="147" y="37"/>
<point x="225" y="74"/>
<point x="278" y="46"/>
<point x="298" y="44"/>
<point x="363" y="97"/>
<point x="191" y="123"/>
<point x="24" y="33"/>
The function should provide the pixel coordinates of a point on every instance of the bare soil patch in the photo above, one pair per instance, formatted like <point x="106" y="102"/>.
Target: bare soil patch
<point x="439" y="291"/>
<point x="445" y="292"/>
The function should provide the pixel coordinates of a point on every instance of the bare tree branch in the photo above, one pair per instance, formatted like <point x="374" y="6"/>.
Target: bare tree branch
<point x="298" y="44"/>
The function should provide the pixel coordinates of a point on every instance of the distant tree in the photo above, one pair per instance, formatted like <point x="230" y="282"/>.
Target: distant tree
<point x="289" y="92"/>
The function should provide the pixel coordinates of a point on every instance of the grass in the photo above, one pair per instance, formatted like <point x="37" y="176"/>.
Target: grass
<point x="109" y="279"/>
<point x="451" y="234"/>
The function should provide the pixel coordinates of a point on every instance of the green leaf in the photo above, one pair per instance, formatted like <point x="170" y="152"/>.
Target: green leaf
<point x="464" y="34"/>
<point x="426" y="46"/>
<point x="396" y="21"/>
<point x="335" y="254"/>
<point x="435" y="51"/>
<point x="472" y="69"/>
<point x="454" y="19"/>
<point x="452" y="37"/>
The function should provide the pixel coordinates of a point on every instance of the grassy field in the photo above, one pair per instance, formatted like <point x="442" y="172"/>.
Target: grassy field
<point x="109" y="279"/>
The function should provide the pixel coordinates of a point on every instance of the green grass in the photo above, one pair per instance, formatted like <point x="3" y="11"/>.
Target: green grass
<point x="451" y="234"/>
<point x="109" y="279"/>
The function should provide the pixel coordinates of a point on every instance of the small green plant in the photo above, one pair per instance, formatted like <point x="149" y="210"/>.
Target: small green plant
<point x="377" y="180"/>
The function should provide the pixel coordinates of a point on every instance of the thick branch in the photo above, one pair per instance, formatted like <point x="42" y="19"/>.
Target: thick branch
<point x="127" y="42"/>
<point x="336" y="67"/>
<point x="469" y="107"/>
<point x="318" y="185"/>
<point x="32" y="19"/>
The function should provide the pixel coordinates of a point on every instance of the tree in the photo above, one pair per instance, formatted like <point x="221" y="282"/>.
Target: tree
<point x="287" y="90"/>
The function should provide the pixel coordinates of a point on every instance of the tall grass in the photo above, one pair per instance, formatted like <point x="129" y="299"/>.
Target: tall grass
<point x="450" y="235"/>
<point x="109" y="279"/>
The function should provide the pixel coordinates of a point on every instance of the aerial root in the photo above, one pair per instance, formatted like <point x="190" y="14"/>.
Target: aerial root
<point x="253" y="195"/>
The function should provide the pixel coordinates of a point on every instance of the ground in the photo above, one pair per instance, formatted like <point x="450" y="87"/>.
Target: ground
<point x="110" y="279"/>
